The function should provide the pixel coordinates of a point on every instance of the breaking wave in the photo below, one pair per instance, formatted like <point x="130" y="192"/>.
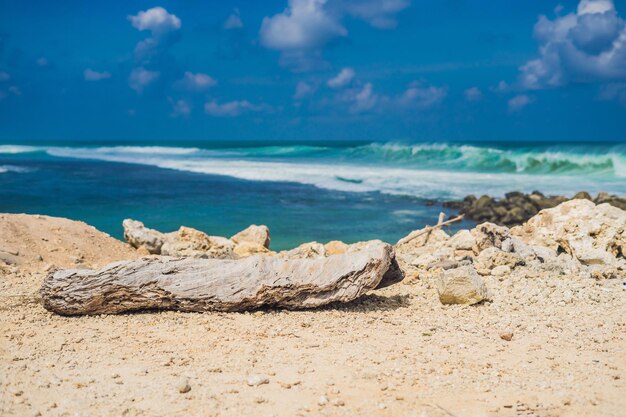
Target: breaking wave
<point x="428" y="170"/>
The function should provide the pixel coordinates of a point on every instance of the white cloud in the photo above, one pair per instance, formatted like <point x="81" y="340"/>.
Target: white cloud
<point x="303" y="90"/>
<point x="305" y="24"/>
<point x="180" y="108"/>
<point x="378" y="13"/>
<point x="344" y="77"/>
<point x="302" y="30"/>
<point x="473" y="94"/>
<point x="157" y="20"/>
<point x="195" y="82"/>
<point x="4" y="76"/>
<point x="502" y="87"/>
<point x="42" y="62"/>
<point x="595" y="6"/>
<point x="163" y="27"/>
<point x="583" y="47"/>
<point x="417" y="96"/>
<point x="140" y="78"/>
<point x="363" y="99"/>
<point x="231" y="108"/>
<point x="518" y="102"/>
<point x="15" y="90"/>
<point x="422" y="96"/>
<point x="91" y="75"/>
<point x="233" y="21"/>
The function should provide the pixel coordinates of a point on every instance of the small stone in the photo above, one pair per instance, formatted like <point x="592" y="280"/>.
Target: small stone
<point x="506" y="336"/>
<point x="184" y="387"/>
<point x="322" y="400"/>
<point x="257" y="379"/>
<point x="461" y="285"/>
<point x="259" y="235"/>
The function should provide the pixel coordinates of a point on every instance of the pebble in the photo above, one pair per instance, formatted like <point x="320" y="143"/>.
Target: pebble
<point x="506" y="336"/>
<point x="184" y="387"/>
<point x="257" y="379"/>
<point x="322" y="400"/>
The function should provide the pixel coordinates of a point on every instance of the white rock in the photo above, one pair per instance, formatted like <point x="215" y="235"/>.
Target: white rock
<point x="253" y="234"/>
<point x="461" y="285"/>
<point x="257" y="379"/>
<point x="462" y="240"/>
<point x="138" y="236"/>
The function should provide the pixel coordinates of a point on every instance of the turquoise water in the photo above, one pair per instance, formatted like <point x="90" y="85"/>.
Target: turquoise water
<point x="303" y="191"/>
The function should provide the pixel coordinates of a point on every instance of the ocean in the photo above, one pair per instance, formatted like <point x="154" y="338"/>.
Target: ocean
<point x="303" y="191"/>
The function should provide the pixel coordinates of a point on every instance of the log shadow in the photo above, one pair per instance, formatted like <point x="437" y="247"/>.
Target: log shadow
<point x="364" y="304"/>
<point x="370" y="302"/>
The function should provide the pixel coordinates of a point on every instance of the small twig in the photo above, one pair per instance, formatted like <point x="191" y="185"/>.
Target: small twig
<point x="430" y="229"/>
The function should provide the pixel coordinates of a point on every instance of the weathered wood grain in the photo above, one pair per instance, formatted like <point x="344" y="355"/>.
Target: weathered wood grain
<point x="187" y="284"/>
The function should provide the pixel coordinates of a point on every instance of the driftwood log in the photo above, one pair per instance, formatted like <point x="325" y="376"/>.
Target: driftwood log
<point x="188" y="284"/>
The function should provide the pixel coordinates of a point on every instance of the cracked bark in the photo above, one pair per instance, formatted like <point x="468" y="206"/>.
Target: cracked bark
<point x="188" y="284"/>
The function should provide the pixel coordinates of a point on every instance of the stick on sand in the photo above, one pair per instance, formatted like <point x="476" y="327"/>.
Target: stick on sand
<point x="429" y="229"/>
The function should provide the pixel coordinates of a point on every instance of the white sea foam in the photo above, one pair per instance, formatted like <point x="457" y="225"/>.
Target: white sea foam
<point x="353" y="178"/>
<point x="152" y="150"/>
<point x="13" y="168"/>
<point x="15" y="149"/>
<point x="351" y="171"/>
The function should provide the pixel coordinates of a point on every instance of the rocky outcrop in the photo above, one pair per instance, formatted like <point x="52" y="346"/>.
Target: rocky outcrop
<point x="516" y="207"/>
<point x="259" y="235"/>
<point x="189" y="242"/>
<point x="418" y="250"/>
<point x="254" y="240"/>
<point x="592" y="234"/>
<point x="461" y="285"/>
<point x="188" y="284"/>
<point x="576" y="238"/>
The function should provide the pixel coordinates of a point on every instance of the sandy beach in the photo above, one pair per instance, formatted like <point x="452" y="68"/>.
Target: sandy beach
<point x="396" y="351"/>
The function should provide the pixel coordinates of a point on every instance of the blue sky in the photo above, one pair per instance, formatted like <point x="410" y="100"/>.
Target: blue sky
<point x="450" y="70"/>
